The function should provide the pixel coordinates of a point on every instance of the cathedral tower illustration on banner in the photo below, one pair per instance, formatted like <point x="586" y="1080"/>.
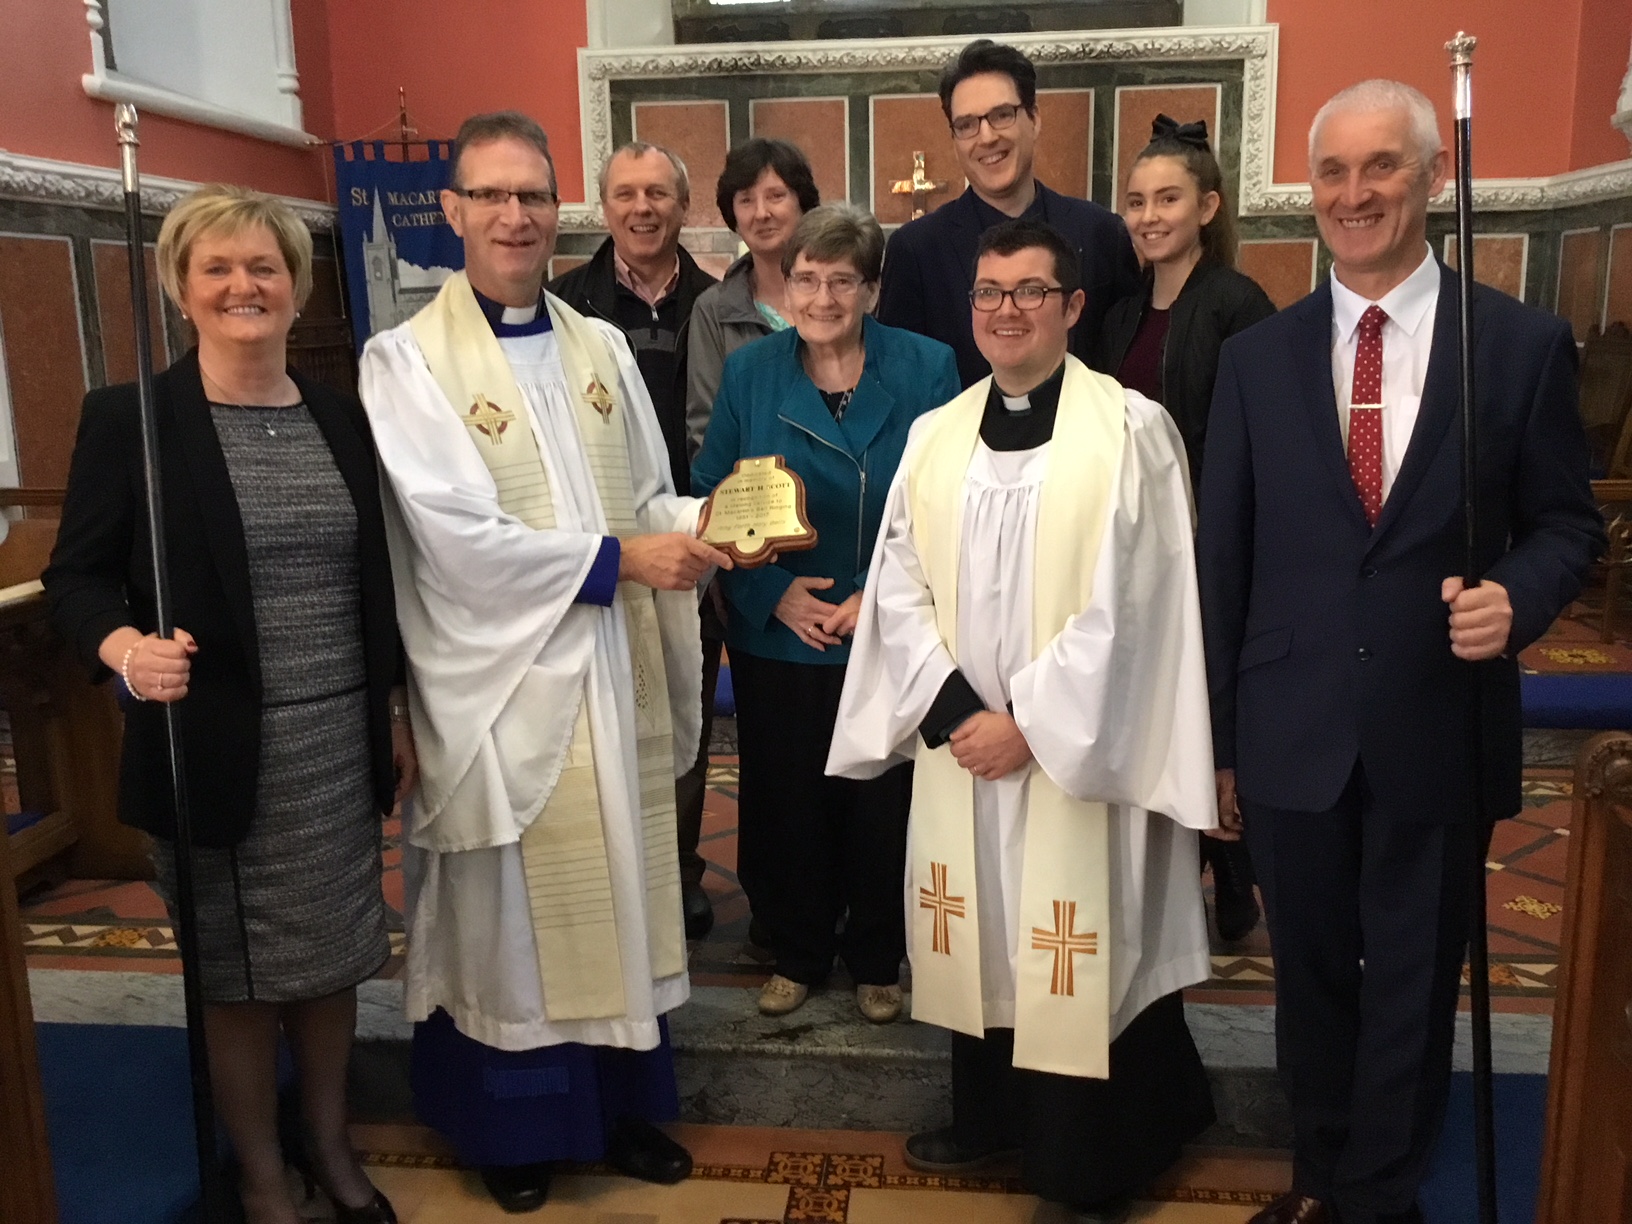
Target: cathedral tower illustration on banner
<point x="396" y="288"/>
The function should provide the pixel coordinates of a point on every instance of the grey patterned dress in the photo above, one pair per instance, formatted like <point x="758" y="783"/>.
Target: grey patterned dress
<point x="295" y="910"/>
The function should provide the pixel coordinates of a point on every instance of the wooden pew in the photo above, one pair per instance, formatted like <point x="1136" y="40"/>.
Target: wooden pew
<point x="27" y="1194"/>
<point x="1587" y="1160"/>
<point x="65" y="732"/>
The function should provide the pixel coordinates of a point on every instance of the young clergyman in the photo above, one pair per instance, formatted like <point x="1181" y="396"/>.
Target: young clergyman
<point x="1031" y="638"/>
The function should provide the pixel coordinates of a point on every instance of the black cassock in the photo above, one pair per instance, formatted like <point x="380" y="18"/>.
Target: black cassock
<point x="1083" y="1141"/>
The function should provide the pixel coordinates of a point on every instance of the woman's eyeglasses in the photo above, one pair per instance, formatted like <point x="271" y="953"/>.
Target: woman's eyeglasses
<point x="808" y="284"/>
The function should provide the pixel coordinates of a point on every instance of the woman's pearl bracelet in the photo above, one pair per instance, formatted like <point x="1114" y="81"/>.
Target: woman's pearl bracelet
<point x="124" y="672"/>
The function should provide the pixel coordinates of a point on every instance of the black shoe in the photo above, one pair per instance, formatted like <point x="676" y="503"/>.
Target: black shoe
<point x="518" y="1188"/>
<point x="292" y="1140"/>
<point x="938" y="1151"/>
<point x="638" y="1149"/>
<point x="697" y="908"/>
<point x="379" y="1211"/>
<point x="1233" y="901"/>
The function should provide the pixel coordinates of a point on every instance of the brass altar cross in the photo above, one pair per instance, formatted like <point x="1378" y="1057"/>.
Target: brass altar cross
<point x="942" y="906"/>
<point x="1067" y="943"/>
<point x="920" y="186"/>
<point x="489" y="419"/>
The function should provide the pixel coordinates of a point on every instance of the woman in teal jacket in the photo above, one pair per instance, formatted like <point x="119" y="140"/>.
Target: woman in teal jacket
<point x="834" y="396"/>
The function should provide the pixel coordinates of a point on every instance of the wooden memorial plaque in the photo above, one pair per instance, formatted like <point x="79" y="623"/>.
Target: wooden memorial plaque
<point x="757" y="513"/>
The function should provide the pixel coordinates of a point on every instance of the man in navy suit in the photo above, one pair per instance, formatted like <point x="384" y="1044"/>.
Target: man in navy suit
<point x="1347" y="662"/>
<point x="989" y="96"/>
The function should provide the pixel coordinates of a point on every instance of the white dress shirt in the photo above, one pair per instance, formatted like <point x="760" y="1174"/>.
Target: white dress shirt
<point x="1408" y="336"/>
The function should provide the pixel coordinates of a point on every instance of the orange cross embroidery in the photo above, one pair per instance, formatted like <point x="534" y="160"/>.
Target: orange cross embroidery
<point x="944" y="907"/>
<point x="1066" y="942"/>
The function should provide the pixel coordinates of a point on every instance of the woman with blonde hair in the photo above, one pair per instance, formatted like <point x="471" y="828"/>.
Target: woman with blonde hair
<point x="286" y="667"/>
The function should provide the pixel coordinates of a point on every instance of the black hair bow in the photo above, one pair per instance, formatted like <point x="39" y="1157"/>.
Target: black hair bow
<point x="1194" y="134"/>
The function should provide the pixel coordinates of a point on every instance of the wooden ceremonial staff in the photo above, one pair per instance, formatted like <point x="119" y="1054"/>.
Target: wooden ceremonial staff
<point x="1484" y="1120"/>
<point x="212" y="1207"/>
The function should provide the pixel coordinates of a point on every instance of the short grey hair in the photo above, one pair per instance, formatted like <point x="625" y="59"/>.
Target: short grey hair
<point x="838" y="231"/>
<point x="502" y="125"/>
<point x="1381" y="94"/>
<point x="639" y="148"/>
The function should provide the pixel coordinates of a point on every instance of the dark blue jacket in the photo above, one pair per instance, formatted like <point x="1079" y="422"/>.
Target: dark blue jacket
<point x="767" y="405"/>
<point x="929" y="270"/>
<point x="1326" y="639"/>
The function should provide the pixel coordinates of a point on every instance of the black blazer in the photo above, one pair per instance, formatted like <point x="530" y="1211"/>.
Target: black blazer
<point x="929" y="268"/>
<point x="101" y="579"/>
<point x="1214" y="304"/>
<point x="1326" y="639"/>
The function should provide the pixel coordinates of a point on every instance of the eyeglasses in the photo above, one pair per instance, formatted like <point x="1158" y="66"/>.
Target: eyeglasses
<point x="498" y="197"/>
<point x="967" y="127"/>
<point x="842" y="287"/>
<point x="987" y="299"/>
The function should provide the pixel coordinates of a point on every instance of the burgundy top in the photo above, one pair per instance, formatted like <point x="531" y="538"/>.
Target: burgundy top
<point x="1141" y="369"/>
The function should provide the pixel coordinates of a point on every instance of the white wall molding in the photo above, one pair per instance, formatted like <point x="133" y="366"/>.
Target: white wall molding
<point x="276" y="116"/>
<point x="47" y="181"/>
<point x="1255" y="47"/>
<point x="112" y="87"/>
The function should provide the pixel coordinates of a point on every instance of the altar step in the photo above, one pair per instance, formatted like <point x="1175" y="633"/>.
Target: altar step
<point x="823" y="1067"/>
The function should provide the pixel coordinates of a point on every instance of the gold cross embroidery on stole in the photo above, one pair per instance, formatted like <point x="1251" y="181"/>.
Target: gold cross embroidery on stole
<point x="599" y="398"/>
<point x="1066" y="943"/>
<point x="488" y="419"/>
<point x="943" y="907"/>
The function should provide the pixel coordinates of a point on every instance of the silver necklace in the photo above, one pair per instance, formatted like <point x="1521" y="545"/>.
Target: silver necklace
<point x="269" y="416"/>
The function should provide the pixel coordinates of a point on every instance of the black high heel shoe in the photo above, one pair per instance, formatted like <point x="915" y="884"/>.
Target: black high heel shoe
<point x="292" y="1139"/>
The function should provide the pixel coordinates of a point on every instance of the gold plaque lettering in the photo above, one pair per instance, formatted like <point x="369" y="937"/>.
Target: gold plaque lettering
<point x="757" y="513"/>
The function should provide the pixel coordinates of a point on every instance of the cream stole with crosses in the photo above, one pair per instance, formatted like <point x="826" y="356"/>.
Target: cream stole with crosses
<point x="563" y="850"/>
<point x="1062" y="995"/>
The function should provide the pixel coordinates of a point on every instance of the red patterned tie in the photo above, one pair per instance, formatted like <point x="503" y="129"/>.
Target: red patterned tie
<point x="1366" y="414"/>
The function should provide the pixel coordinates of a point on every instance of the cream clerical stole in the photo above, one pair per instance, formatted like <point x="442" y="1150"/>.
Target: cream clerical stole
<point x="563" y="850"/>
<point x="1062" y="992"/>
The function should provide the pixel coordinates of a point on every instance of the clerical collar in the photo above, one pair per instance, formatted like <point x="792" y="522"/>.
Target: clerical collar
<point x="1044" y="397"/>
<point x="508" y="321"/>
<point x="1020" y="422"/>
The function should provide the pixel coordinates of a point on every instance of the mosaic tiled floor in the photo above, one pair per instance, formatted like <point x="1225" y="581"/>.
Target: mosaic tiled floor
<point x="112" y="925"/>
<point x="1573" y="645"/>
<point x="759" y="1176"/>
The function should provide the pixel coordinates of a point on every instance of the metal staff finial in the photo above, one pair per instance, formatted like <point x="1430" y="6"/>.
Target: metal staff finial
<point x="124" y="126"/>
<point x="1461" y="49"/>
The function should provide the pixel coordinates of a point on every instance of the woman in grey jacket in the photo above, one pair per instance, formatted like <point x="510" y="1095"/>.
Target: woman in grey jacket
<point x="764" y="190"/>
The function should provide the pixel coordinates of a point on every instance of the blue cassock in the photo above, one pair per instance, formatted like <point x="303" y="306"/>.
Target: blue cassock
<point x="515" y="1107"/>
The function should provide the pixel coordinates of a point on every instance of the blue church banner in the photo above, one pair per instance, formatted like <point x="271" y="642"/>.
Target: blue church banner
<point x="398" y="246"/>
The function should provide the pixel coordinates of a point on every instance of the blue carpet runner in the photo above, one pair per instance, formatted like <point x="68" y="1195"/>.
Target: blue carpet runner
<point x="119" y="1112"/>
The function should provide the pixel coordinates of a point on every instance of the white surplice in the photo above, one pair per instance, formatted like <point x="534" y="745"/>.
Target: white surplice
<point x="487" y="604"/>
<point x="1114" y="708"/>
